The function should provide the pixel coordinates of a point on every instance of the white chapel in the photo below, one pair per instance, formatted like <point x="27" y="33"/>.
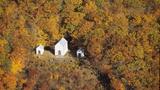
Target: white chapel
<point x="61" y="48"/>
<point x="40" y="50"/>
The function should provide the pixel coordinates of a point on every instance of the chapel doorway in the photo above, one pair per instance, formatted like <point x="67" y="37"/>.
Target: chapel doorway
<point x="79" y="55"/>
<point x="59" y="52"/>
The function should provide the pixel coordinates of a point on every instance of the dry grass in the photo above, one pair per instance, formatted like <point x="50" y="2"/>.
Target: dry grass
<point x="63" y="71"/>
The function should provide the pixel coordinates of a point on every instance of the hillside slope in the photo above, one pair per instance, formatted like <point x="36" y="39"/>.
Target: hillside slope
<point x="121" y="39"/>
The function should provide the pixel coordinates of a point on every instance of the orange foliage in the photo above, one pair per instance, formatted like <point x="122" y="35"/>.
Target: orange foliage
<point x="10" y="81"/>
<point x="95" y="44"/>
<point x="44" y="86"/>
<point x="85" y="28"/>
<point x="123" y="35"/>
<point x="1" y="86"/>
<point x="117" y="84"/>
<point x="32" y="78"/>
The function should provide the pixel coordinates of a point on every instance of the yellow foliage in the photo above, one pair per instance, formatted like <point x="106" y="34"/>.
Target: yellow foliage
<point x="118" y="57"/>
<point x="157" y="1"/>
<point x="10" y="9"/>
<point x="55" y="76"/>
<point x="61" y="88"/>
<point x="53" y="20"/>
<point x="99" y="32"/>
<point x="1" y="1"/>
<point x="1" y="71"/>
<point x="40" y="42"/>
<point x="138" y="51"/>
<point x="22" y="81"/>
<point x="147" y="47"/>
<point x="3" y="42"/>
<point x="53" y="27"/>
<point x="75" y="18"/>
<point x="121" y="32"/>
<point x="23" y="32"/>
<point x="138" y="19"/>
<point x="17" y="65"/>
<point x="148" y="18"/>
<point x="21" y="21"/>
<point x="121" y="20"/>
<point x="74" y="2"/>
<point x="41" y="37"/>
<point x="78" y="17"/>
<point x="117" y="84"/>
<point x="90" y="6"/>
<point x="17" y="57"/>
<point x="108" y="31"/>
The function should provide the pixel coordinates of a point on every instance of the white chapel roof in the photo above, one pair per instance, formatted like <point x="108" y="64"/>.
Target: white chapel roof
<point x="80" y="50"/>
<point x="40" y="47"/>
<point x="62" y="42"/>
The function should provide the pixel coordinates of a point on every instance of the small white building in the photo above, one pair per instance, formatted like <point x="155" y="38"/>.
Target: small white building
<point x="61" y="48"/>
<point x="40" y="50"/>
<point x="80" y="53"/>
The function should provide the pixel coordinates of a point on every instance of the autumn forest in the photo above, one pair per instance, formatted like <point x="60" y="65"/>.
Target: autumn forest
<point x="121" y="40"/>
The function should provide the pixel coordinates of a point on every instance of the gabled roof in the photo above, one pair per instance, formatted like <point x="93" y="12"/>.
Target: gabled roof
<point x="40" y="47"/>
<point x="62" y="42"/>
<point x="80" y="50"/>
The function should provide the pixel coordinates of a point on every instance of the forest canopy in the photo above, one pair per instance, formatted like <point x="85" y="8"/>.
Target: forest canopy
<point x="121" y="39"/>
